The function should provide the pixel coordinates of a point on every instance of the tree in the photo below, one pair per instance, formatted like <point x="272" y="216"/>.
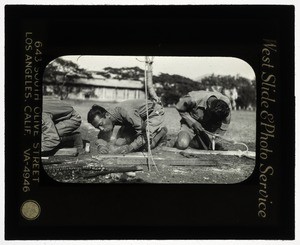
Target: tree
<point x="125" y="73"/>
<point x="171" y="87"/>
<point x="246" y="89"/>
<point x="60" y="71"/>
<point x="247" y="92"/>
<point x="60" y="66"/>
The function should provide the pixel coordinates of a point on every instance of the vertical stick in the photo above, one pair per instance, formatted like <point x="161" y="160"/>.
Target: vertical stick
<point x="147" y="67"/>
<point x="213" y="143"/>
<point x="147" y="116"/>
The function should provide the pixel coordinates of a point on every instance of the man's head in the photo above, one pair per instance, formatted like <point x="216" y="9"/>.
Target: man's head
<point x="218" y="110"/>
<point x="100" y="118"/>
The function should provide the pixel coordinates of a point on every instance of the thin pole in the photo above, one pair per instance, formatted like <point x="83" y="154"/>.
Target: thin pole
<point x="150" y="158"/>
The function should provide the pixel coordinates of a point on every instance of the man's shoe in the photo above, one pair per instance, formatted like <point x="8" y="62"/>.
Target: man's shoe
<point x="219" y="147"/>
<point x="159" y="137"/>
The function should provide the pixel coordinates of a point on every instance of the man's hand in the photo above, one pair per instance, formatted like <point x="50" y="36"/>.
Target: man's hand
<point x="197" y="127"/>
<point x="102" y="149"/>
<point x="126" y="149"/>
<point x="122" y="149"/>
<point x="100" y="142"/>
<point x="102" y="146"/>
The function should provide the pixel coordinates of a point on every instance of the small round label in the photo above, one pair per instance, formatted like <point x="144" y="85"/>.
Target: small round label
<point x="30" y="210"/>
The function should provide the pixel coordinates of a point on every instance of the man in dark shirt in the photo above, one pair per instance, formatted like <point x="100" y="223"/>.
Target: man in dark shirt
<point x="59" y="121"/>
<point x="131" y="116"/>
<point x="202" y="111"/>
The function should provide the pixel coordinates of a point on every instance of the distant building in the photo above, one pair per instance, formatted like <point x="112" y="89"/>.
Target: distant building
<point x="95" y="88"/>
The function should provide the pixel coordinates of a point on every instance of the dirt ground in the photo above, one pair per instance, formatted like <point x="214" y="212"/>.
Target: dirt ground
<point x="172" y="167"/>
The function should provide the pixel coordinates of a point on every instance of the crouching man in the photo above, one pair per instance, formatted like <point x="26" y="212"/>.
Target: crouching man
<point x="202" y="111"/>
<point x="59" y="121"/>
<point x="131" y="116"/>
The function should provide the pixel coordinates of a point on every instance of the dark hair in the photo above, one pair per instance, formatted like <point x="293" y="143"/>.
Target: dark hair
<point x="94" y="111"/>
<point x="219" y="109"/>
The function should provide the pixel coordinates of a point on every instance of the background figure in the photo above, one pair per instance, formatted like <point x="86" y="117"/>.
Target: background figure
<point x="200" y="111"/>
<point x="131" y="116"/>
<point x="59" y="121"/>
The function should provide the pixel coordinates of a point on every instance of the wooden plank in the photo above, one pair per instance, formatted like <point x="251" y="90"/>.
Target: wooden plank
<point x="250" y="154"/>
<point x="67" y="152"/>
<point x="130" y="161"/>
<point x="192" y="162"/>
<point x="133" y="155"/>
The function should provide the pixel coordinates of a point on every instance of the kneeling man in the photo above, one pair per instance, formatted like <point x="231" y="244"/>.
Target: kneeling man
<point x="202" y="111"/>
<point x="131" y="116"/>
<point x="59" y="121"/>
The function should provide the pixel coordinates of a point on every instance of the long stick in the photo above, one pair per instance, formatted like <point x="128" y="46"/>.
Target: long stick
<point x="249" y="154"/>
<point x="200" y="141"/>
<point x="147" y="130"/>
<point x="147" y="63"/>
<point x="113" y="170"/>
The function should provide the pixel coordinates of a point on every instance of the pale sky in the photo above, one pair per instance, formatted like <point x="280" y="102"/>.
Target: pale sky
<point x="191" y="67"/>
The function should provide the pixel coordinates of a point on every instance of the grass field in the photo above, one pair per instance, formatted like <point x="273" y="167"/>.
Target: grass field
<point x="241" y="129"/>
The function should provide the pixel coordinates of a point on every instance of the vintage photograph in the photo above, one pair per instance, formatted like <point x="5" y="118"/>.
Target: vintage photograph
<point x="149" y="122"/>
<point x="148" y="119"/>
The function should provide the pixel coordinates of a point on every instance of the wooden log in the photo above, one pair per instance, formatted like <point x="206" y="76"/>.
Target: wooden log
<point x="137" y="155"/>
<point x="192" y="162"/>
<point x="113" y="170"/>
<point x="170" y="161"/>
<point x="51" y="163"/>
<point x="116" y="161"/>
<point x="249" y="154"/>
